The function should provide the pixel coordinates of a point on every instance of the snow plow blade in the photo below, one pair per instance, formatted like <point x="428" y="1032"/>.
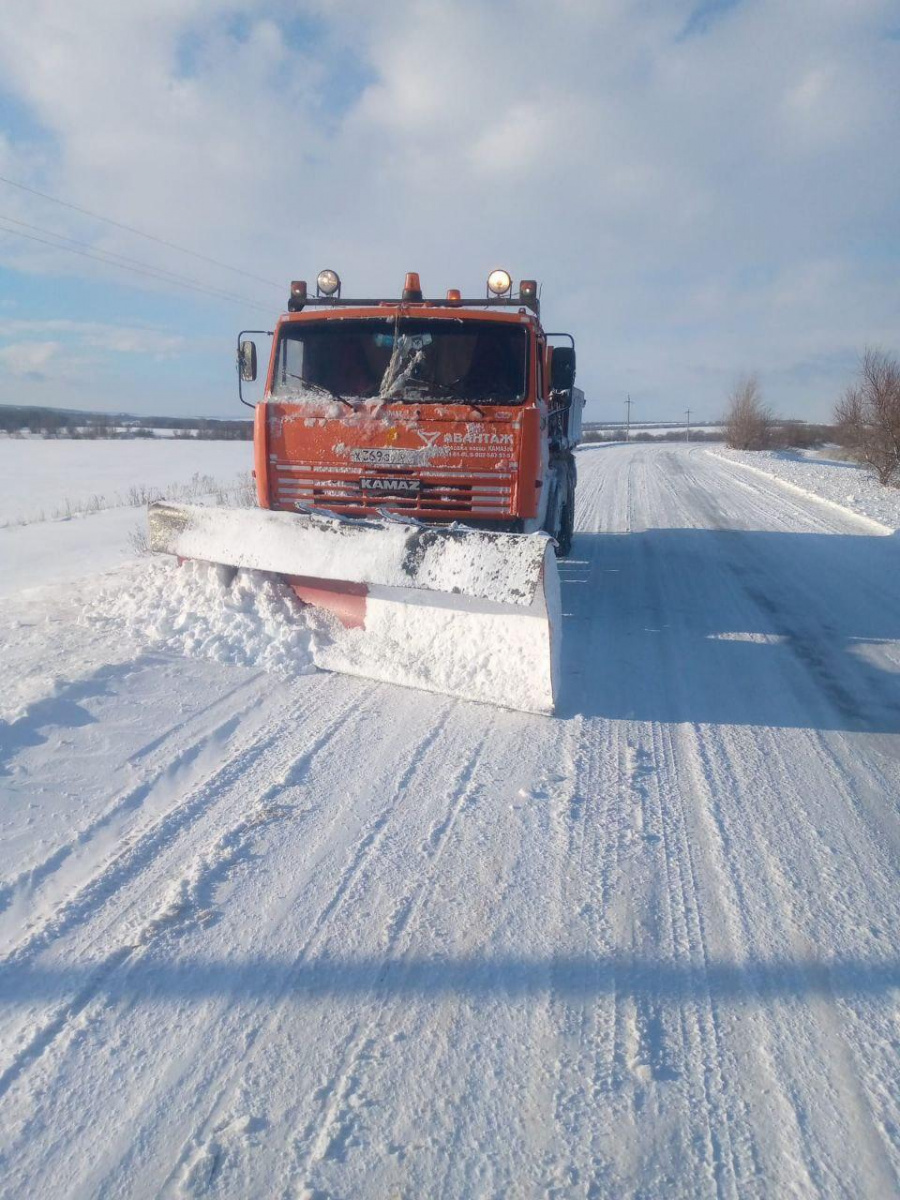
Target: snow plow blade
<point x="459" y="611"/>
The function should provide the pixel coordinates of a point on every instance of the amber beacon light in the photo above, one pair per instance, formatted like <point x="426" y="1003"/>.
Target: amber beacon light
<point x="412" y="288"/>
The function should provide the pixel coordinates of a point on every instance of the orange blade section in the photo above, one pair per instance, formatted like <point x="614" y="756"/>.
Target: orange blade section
<point x="346" y="600"/>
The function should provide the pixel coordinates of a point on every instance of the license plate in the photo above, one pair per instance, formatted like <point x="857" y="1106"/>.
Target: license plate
<point x="379" y="485"/>
<point x="387" y="455"/>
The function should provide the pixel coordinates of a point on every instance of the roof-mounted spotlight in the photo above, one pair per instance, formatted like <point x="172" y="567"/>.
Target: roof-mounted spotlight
<point x="499" y="283"/>
<point x="328" y="283"/>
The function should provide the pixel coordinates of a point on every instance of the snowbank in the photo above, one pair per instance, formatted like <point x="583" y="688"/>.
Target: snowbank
<point x="199" y="611"/>
<point x="844" y="484"/>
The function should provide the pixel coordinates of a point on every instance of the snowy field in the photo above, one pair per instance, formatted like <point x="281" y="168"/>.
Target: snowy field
<point x="280" y="933"/>
<point x="46" y="479"/>
<point x="68" y="509"/>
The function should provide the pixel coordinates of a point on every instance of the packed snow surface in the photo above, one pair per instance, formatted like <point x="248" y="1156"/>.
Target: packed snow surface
<point x="844" y="483"/>
<point x="267" y="934"/>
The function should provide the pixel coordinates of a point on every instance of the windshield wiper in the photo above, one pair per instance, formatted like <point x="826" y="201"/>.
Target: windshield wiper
<point x="418" y="391"/>
<point x="318" y="387"/>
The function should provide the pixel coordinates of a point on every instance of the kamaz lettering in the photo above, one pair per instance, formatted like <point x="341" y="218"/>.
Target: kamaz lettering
<point x="390" y="487"/>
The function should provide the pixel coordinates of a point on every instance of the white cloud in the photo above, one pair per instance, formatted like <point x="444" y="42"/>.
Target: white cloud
<point x="120" y="339"/>
<point x="24" y="359"/>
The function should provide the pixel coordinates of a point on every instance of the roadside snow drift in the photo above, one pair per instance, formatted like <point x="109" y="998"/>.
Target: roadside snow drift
<point x="200" y="611"/>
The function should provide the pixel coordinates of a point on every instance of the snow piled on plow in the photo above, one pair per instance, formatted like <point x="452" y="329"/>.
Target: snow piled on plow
<point x="245" y="618"/>
<point x="464" y="612"/>
<point x="459" y="647"/>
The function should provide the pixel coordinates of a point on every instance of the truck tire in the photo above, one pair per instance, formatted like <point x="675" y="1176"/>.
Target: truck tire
<point x="567" y="517"/>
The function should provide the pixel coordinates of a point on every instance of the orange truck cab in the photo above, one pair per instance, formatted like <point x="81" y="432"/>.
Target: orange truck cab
<point x="440" y="411"/>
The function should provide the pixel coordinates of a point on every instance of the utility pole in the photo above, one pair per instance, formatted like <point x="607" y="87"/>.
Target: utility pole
<point x="628" y="404"/>
<point x="688" y="413"/>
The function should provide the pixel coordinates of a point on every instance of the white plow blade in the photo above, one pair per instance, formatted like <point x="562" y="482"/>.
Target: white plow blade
<point x="461" y="611"/>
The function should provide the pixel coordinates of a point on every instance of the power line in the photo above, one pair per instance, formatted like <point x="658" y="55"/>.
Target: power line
<point x="125" y="259"/>
<point x="151" y="274"/>
<point x="137" y="232"/>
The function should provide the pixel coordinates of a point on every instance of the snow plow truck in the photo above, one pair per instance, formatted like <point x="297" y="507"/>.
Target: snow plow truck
<point x="415" y="476"/>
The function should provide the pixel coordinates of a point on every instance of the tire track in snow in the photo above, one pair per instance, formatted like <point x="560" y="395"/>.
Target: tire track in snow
<point x="485" y="1089"/>
<point x="31" y="880"/>
<point x="365" y="848"/>
<point x="669" y="918"/>
<point x="129" y="865"/>
<point x="329" y="1127"/>
<point x="177" y="729"/>
<point x="586" y="1029"/>
<point x="844" y="1077"/>
<point x="131" y="860"/>
<point x="790" y="1045"/>
<point x="734" y="1167"/>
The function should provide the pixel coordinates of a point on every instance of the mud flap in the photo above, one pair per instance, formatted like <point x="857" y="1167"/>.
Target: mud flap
<point x="459" y="611"/>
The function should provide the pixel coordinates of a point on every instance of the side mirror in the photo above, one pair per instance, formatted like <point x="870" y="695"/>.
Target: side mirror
<point x="562" y="369"/>
<point x="247" y="361"/>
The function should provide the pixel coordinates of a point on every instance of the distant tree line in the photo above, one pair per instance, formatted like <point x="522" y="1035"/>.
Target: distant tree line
<point x="607" y="434"/>
<point x="62" y="423"/>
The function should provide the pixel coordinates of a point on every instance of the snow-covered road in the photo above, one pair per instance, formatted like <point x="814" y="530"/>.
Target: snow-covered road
<point x="328" y="938"/>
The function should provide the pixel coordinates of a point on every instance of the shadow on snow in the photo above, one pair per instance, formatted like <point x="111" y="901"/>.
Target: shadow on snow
<point x="733" y="627"/>
<point x="511" y="977"/>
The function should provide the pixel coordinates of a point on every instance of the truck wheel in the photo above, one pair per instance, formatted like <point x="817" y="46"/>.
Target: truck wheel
<point x="567" y="519"/>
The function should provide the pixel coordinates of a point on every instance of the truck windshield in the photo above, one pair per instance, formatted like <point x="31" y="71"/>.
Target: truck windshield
<point x="406" y="359"/>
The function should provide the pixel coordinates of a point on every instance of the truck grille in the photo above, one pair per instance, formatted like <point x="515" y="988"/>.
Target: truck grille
<point x="482" y="494"/>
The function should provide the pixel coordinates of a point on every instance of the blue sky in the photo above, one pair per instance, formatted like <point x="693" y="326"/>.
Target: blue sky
<point x="703" y="189"/>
